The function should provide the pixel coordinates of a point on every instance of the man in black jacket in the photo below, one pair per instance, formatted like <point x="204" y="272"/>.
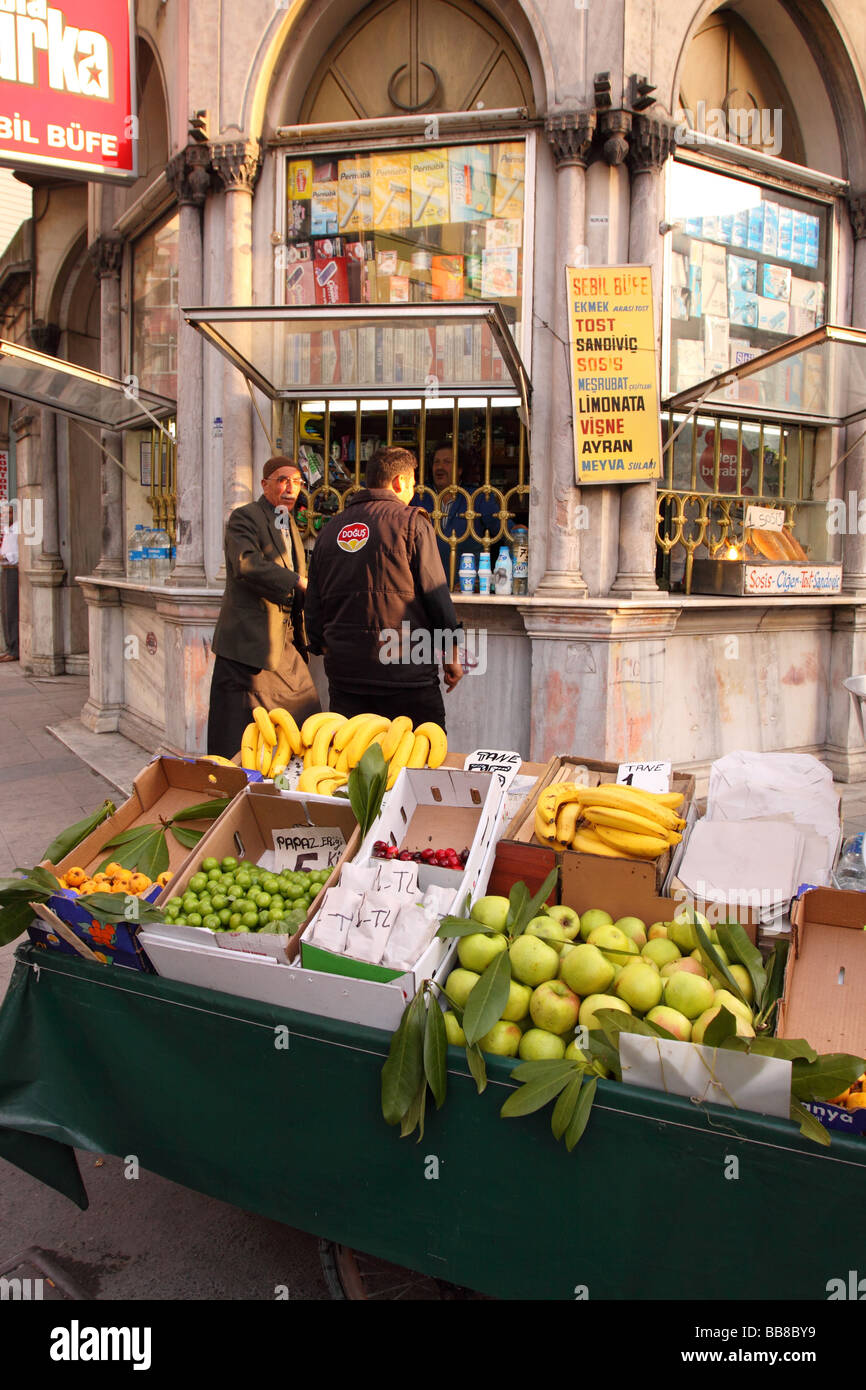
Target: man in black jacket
<point x="378" y="606"/>
<point x="259" y="641"/>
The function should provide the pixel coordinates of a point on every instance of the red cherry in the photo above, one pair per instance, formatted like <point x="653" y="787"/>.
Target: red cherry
<point x="391" y="852"/>
<point x="405" y="855"/>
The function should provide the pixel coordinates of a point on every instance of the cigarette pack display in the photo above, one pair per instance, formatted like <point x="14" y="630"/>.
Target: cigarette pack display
<point x="743" y="308"/>
<point x="300" y="179"/>
<point x="447" y="273"/>
<point x="300" y="278"/>
<point x="772" y="316"/>
<point x="331" y="271"/>
<point x="756" y="228"/>
<point x="499" y="273"/>
<point x="429" y="187"/>
<point x="470" y="182"/>
<point x="348" y="356"/>
<point x="510" y="180"/>
<point x="298" y="221"/>
<point x="694" y="226"/>
<point x="716" y="345"/>
<point x="813" y="235"/>
<point x="690" y="362"/>
<point x="324" y="209"/>
<point x="712" y="230"/>
<point x="679" y="302"/>
<point x="800" y="320"/>
<point x="391" y="179"/>
<point x="726" y="229"/>
<point x="503" y="231"/>
<point x="398" y="289"/>
<point x="740" y="229"/>
<point x="695" y="290"/>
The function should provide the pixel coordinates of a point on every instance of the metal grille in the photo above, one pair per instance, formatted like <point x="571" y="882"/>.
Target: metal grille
<point x="163" y="478"/>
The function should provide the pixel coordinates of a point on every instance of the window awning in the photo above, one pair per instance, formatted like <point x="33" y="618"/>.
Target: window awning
<point x="819" y="378"/>
<point x="76" y="391"/>
<point x="404" y="350"/>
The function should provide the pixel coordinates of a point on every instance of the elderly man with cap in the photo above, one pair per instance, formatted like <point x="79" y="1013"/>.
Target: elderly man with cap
<point x="260" y="642"/>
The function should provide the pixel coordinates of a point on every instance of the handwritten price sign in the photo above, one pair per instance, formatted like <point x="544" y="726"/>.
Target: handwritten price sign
<point x="648" y="777"/>
<point x="494" y="760"/>
<point x="302" y="849"/>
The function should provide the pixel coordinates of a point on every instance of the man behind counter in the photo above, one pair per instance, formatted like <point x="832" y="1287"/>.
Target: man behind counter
<point x="259" y="641"/>
<point x="375" y="581"/>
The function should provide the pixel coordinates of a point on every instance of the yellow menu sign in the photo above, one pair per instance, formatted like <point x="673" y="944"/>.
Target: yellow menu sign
<point x="614" y="375"/>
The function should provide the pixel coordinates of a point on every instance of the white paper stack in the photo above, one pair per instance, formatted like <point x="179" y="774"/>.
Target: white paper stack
<point x="750" y="864"/>
<point x="791" y="787"/>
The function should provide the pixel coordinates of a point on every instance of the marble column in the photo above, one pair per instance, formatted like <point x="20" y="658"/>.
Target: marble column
<point x="854" y="574"/>
<point x="105" y="702"/>
<point x="106" y="255"/>
<point x="40" y="569"/>
<point x="189" y="173"/>
<point x="651" y="141"/>
<point x="237" y="165"/>
<point x="570" y="135"/>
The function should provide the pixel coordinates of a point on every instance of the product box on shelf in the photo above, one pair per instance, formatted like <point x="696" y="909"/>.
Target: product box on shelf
<point x="247" y="830"/>
<point x="521" y="829"/>
<point x="824" y="1000"/>
<point x="427" y="809"/>
<point x="162" y="789"/>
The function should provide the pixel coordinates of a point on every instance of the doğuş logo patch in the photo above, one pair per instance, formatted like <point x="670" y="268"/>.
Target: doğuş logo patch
<point x="353" y="537"/>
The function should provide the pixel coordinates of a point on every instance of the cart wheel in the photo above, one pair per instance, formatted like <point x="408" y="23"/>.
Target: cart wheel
<point x="351" y="1274"/>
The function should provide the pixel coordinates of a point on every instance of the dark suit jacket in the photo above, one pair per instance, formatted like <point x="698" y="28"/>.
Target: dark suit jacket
<point x="262" y="607"/>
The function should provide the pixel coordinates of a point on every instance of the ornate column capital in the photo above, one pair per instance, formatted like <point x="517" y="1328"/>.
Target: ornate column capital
<point x="45" y="337"/>
<point x="106" y="256"/>
<point x="614" y="128"/>
<point x="857" y="213"/>
<point x="652" y="141"/>
<point x="189" y="173"/>
<point x="570" y="135"/>
<point x="237" y="163"/>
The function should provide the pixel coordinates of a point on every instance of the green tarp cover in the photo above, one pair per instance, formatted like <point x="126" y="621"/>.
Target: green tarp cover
<point x="649" y="1205"/>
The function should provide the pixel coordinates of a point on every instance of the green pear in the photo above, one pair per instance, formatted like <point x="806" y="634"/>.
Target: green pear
<point x="592" y="1002"/>
<point x="744" y="980"/>
<point x="736" y="1006"/>
<point x="517" y="1007"/>
<point x="567" y="918"/>
<point x="594" y="917"/>
<point x="640" y="985"/>
<point x="475" y="952"/>
<point x="453" y="1032"/>
<point x="490" y="912"/>
<point x="503" y="1039"/>
<point x="672" y="1021"/>
<point x="634" y="928"/>
<point x="661" y="951"/>
<point x="688" y="994"/>
<point x="533" y="961"/>
<point x="700" y="1025"/>
<point x="460" y="984"/>
<point x="585" y="970"/>
<point x="547" y="929"/>
<point x="538" y="1045"/>
<point x="613" y="943"/>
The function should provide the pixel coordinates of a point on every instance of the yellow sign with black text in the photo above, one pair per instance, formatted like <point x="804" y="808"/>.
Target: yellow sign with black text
<point x="614" y="374"/>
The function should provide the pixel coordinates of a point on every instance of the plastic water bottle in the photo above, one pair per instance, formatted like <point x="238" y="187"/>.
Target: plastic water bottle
<point x="135" y="553"/>
<point x="485" y="574"/>
<point x="160" y="556"/>
<point x="502" y="571"/>
<point x="520" y="575"/>
<point x="850" y="872"/>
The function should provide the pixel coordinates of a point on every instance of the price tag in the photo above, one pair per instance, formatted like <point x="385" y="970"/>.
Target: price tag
<point x="649" y="777"/>
<point x="495" y="760"/>
<point x="765" y="518"/>
<point x="307" y="847"/>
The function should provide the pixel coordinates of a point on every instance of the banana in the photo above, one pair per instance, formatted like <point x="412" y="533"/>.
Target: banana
<point x="399" y="759"/>
<point x="311" y="777"/>
<point x="634" y="846"/>
<point x="342" y="763"/>
<point x="614" y="796"/>
<point x="366" y="731"/>
<point x="283" y="720"/>
<point x="264" y="758"/>
<point x="566" y="821"/>
<point x="390" y="743"/>
<point x="311" y="726"/>
<point x="325" y="732"/>
<point x="616" y="819"/>
<point x="438" y="742"/>
<point x="263" y="719"/>
<point x="215" y="758"/>
<point x="249" y="744"/>
<point x="544" y="830"/>
<point x="586" y="842"/>
<point x="281" y="754"/>
<point x="346" y="732"/>
<point x="420" y="751"/>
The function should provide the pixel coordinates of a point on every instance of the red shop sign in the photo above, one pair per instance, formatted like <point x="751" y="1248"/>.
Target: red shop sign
<point x="67" y="87"/>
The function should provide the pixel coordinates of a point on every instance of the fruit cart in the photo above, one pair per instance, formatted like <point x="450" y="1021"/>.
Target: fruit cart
<point x="272" y="1110"/>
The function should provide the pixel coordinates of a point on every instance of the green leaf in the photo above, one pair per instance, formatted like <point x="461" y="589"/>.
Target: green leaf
<point x="563" y="1110"/>
<point x="185" y="836"/>
<point x="531" y="1096"/>
<point x="74" y="834"/>
<point x="144" y="849"/>
<point x="124" y="836"/>
<point x="535" y="903"/>
<point x="205" y="810"/>
<point x="775" y="972"/>
<point x="545" y="1070"/>
<point x="603" y="1051"/>
<point x="810" y="1125"/>
<point x="366" y="786"/>
<point x="403" y="1071"/>
<point x="789" y="1049"/>
<point x="459" y="926"/>
<point x="735" y="942"/>
<point x="724" y="1025"/>
<point x="477" y="1066"/>
<point x="488" y="998"/>
<point x="436" y="1052"/>
<point x="581" y="1114"/>
<point x="14" y="920"/>
<point x="111" y="907"/>
<point x="715" y="966"/>
<point x="518" y="897"/>
<point x="415" y="1114"/>
<point x="829" y="1076"/>
<point x="614" y="1021"/>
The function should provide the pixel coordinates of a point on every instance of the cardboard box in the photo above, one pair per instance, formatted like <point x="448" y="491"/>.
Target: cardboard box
<point x="427" y="809"/>
<point x="164" y="787"/>
<point x="824" y="1000"/>
<point x="521" y="829"/>
<point x="529" y="864"/>
<point x="245" y="831"/>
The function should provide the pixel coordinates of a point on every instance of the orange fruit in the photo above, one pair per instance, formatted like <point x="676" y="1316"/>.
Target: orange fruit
<point x="138" y="883"/>
<point x="164" y="878"/>
<point x="857" y="1101"/>
<point x="112" y="870"/>
<point x="75" y="877"/>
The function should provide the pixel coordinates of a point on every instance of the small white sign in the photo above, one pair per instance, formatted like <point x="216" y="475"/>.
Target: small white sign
<point x="505" y="765"/>
<point x="779" y="580"/>
<point x="707" y="1074"/>
<point x="648" y="777"/>
<point x="765" y="518"/>
<point x="307" y="847"/>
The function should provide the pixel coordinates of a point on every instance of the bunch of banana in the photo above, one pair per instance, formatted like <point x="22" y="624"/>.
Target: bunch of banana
<point x="613" y="820"/>
<point x="269" y="741"/>
<point x="336" y="742"/>
<point x="322" y="780"/>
